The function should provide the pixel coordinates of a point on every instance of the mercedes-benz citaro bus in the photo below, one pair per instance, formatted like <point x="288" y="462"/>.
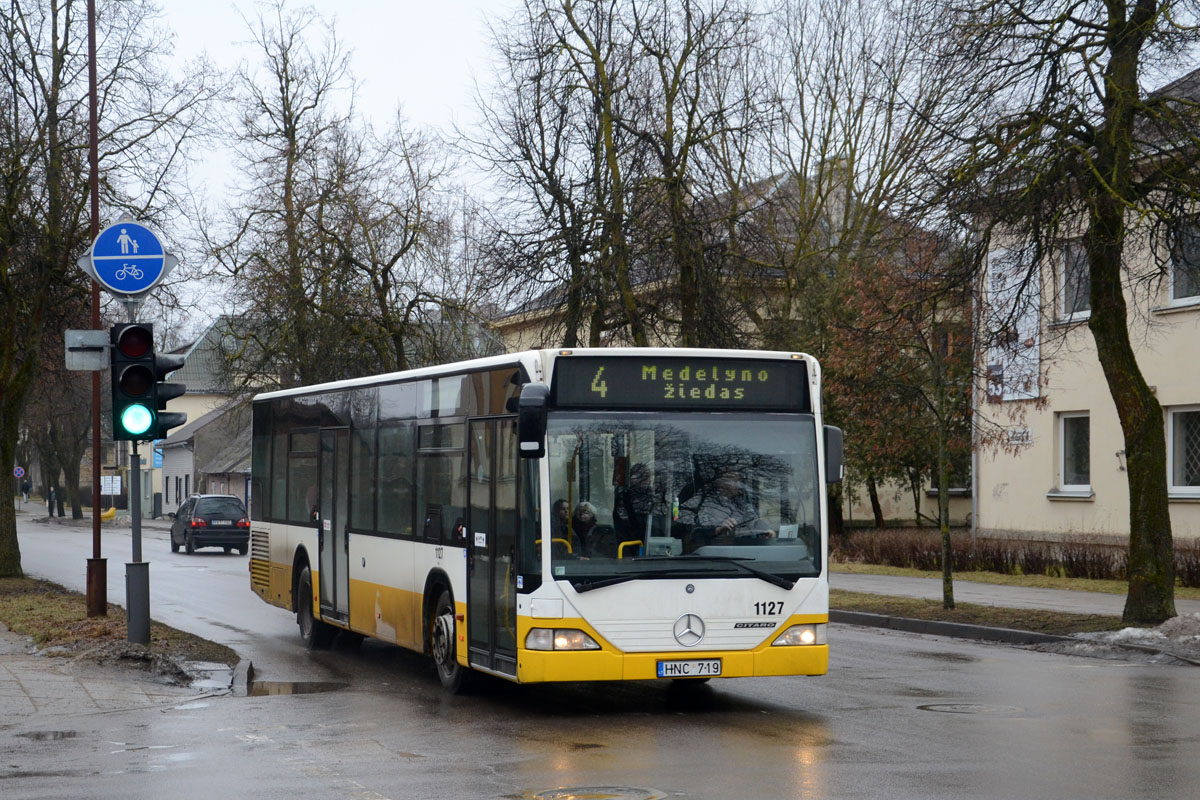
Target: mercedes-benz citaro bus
<point x="556" y="515"/>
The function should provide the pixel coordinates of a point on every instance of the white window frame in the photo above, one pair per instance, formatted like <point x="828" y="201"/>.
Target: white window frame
<point x="1189" y="299"/>
<point x="1173" y="488"/>
<point x="1069" y="249"/>
<point x="1062" y="453"/>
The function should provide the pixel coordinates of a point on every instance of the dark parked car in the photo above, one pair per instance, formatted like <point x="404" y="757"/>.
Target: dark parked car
<point x="211" y="520"/>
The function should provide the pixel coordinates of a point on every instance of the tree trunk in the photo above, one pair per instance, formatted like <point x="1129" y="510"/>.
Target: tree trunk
<point x="943" y="473"/>
<point x="876" y="508"/>
<point x="1151" y="597"/>
<point x="71" y="487"/>
<point x="10" y="549"/>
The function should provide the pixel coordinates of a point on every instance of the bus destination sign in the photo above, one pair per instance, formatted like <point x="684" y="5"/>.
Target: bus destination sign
<point x="632" y="382"/>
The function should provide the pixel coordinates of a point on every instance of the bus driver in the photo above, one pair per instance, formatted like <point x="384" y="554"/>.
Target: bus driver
<point x="726" y="509"/>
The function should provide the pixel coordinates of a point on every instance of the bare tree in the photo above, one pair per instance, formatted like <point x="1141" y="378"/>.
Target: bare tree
<point x="289" y="122"/>
<point x="611" y="134"/>
<point x="902" y="364"/>
<point x="540" y="137"/>
<point x="146" y="122"/>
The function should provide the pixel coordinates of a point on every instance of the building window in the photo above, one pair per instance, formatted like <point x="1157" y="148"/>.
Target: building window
<point x="1183" y="450"/>
<point x="1076" y="282"/>
<point x="1075" y="472"/>
<point x="1185" y="261"/>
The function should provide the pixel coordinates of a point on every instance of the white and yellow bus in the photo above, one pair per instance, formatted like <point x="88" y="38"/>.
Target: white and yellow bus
<point x="556" y="515"/>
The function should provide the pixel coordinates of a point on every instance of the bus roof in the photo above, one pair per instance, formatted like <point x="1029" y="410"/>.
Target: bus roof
<point x="533" y="361"/>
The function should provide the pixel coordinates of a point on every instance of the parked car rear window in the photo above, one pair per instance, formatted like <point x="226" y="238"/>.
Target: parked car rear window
<point x="220" y="506"/>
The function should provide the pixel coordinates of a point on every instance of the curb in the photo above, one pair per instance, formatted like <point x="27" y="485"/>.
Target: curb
<point x="955" y="629"/>
<point x="239" y="684"/>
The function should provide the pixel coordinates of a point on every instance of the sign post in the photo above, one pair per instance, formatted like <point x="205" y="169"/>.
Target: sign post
<point x="127" y="260"/>
<point x="18" y="473"/>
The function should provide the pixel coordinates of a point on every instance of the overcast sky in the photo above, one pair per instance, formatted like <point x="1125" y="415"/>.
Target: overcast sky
<point x="420" y="55"/>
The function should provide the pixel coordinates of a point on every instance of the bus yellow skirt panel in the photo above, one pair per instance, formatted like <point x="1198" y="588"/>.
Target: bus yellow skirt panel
<point x="536" y="666"/>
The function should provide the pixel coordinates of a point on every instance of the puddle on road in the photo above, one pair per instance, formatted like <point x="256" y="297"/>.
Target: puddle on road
<point x="968" y="708"/>
<point x="268" y="688"/>
<point x="954" y="658"/>
<point x="48" y="736"/>
<point x="595" y="793"/>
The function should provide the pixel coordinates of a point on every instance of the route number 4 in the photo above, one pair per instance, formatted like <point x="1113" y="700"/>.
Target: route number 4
<point x="598" y="385"/>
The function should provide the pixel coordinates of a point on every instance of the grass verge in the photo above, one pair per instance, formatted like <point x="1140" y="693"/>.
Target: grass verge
<point x="1023" y="619"/>
<point x="56" y="619"/>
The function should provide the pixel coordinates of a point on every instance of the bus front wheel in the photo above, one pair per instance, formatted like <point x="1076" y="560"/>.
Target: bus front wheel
<point x="316" y="634"/>
<point x="442" y="639"/>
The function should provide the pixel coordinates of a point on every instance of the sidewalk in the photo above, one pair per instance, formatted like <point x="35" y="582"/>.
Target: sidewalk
<point x="37" y="686"/>
<point x="44" y="686"/>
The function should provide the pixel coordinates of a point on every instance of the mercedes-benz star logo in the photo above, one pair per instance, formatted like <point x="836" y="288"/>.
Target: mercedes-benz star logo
<point x="689" y="630"/>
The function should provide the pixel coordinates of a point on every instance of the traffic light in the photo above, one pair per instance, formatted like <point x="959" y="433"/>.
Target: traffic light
<point x="165" y="364"/>
<point x="139" y="395"/>
<point x="132" y="362"/>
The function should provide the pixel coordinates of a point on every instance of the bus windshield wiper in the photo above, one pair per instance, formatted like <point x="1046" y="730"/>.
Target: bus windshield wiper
<point x="587" y="585"/>
<point x="736" y="561"/>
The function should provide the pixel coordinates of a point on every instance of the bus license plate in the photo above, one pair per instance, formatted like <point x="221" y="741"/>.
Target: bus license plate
<point x="695" y="668"/>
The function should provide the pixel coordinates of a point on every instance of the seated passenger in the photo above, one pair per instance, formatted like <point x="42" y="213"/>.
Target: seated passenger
<point x="583" y="523"/>
<point x="560" y="515"/>
<point x="725" y="509"/>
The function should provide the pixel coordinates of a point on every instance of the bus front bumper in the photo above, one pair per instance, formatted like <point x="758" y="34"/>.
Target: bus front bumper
<point x="537" y="666"/>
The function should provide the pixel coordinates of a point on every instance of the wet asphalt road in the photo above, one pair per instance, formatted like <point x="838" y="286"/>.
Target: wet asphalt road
<point x="899" y="716"/>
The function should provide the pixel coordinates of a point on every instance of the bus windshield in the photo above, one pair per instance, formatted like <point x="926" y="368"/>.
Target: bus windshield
<point x="652" y="495"/>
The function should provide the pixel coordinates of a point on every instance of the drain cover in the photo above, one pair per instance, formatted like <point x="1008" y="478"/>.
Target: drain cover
<point x="968" y="708"/>
<point x="599" y="793"/>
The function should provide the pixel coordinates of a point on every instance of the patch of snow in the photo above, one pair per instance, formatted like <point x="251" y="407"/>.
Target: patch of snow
<point x="1178" y="636"/>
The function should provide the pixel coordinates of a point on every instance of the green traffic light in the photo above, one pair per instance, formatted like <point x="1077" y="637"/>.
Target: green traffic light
<point x="136" y="419"/>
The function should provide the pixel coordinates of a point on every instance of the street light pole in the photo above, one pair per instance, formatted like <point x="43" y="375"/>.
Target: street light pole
<point x="97" y="567"/>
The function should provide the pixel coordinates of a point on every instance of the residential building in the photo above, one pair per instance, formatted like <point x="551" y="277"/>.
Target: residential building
<point x="1059" y="466"/>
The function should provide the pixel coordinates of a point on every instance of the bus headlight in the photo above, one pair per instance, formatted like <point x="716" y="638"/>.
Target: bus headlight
<point x="812" y="633"/>
<point x="559" y="639"/>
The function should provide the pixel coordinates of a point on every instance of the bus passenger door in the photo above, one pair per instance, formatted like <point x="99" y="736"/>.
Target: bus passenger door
<point x="491" y="546"/>
<point x="331" y="525"/>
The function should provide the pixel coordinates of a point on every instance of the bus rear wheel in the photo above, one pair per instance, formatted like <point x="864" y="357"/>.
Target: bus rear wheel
<point x="316" y="634"/>
<point x="443" y="642"/>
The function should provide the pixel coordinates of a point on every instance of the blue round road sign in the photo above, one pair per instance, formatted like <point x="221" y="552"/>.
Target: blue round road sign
<point x="18" y="472"/>
<point x="128" y="258"/>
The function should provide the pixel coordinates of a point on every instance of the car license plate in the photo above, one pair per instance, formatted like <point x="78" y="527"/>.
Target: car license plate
<point x="694" y="668"/>
<point x="222" y="522"/>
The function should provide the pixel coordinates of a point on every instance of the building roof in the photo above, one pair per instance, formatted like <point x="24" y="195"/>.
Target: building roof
<point x="234" y="457"/>
<point x="184" y="434"/>
<point x="204" y="371"/>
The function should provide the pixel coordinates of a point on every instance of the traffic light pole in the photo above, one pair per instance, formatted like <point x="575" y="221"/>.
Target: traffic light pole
<point x="137" y="572"/>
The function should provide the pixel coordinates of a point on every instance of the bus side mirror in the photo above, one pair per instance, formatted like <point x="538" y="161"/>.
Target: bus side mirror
<point x="834" y="467"/>
<point x="531" y="420"/>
